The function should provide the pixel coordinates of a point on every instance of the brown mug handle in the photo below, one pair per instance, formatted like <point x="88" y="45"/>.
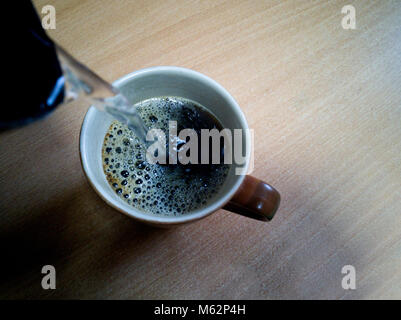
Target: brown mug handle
<point x="255" y="199"/>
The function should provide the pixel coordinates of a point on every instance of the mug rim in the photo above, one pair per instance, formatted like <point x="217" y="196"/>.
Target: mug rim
<point x="148" y="217"/>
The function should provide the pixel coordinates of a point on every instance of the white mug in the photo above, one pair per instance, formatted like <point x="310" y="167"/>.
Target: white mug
<point x="239" y="193"/>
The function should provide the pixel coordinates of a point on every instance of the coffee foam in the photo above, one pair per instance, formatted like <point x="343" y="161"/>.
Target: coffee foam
<point x="154" y="188"/>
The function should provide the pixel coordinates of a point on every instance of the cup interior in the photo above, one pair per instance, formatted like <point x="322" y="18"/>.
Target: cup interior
<point x="156" y="82"/>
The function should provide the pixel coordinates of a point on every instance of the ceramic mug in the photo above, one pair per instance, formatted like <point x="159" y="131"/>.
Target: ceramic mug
<point x="240" y="193"/>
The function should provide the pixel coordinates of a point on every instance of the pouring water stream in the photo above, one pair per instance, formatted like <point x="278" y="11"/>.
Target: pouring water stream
<point x="81" y="81"/>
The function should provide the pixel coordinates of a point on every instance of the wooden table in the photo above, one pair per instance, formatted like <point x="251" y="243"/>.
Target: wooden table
<point x="325" y="104"/>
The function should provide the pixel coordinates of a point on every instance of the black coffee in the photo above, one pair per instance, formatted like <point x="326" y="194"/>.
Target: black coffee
<point x="171" y="189"/>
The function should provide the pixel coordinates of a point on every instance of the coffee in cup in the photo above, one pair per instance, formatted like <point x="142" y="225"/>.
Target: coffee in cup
<point x="162" y="189"/>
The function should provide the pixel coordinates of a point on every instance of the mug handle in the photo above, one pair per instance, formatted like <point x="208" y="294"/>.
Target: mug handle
<point x="254" y="199"/>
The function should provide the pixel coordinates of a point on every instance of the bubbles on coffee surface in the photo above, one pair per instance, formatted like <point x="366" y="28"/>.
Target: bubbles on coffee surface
<point x="172" y="189"/>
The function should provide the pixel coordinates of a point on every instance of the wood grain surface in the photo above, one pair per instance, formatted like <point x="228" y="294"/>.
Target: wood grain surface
<point x="325" y="104"/>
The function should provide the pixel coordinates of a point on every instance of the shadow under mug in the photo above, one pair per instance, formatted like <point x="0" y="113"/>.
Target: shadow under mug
<point x="241" y="194"/>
